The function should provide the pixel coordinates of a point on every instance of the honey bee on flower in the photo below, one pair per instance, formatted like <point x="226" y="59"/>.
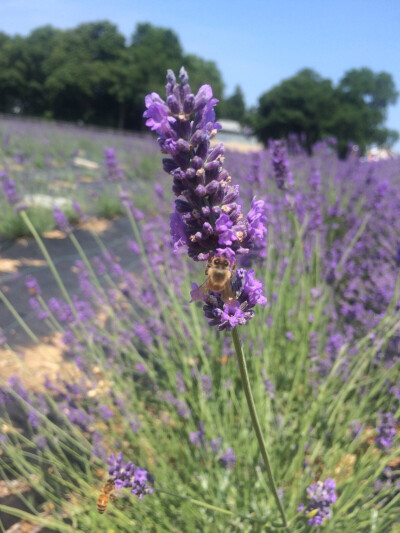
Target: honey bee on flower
<point x="219" y="271"/>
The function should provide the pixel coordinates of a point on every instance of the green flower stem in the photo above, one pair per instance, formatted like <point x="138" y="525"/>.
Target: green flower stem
<point x="256" y="424"/>
<point x="49" y="261"/>
<point x="197" y="502"/>
<point x="214" y="508"/>
<point x="38" y="519"/>
<point x="52" y="319"/>
<point x="19" y="319"/>
<point x="86" y="261"/>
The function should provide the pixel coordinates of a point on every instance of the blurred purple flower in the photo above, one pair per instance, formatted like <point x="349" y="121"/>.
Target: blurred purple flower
<point x="197" y="437"/>
<point x="322" y="495"/>
<point x="105" y="412"/>
<point x="32" y="285"/>
<point x="114" y="173"/>
<point x="215" y="444"/>
<point x="206" y="385"/>
<point x="10" y="191"/>
<point x="280" y="163"/>
<point x="228" y="458"/>
<point x="180" y="383"/>
<point x="61" y="220"/>
<point x="128" y="475"/>
<point x="78" y="210"/>
<point x="386" y="431"/>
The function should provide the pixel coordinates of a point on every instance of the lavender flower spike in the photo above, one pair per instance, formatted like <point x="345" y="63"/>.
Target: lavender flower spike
<point x="386" y="431"/>
<point x="128" y="475"/>
<point x="207" y="220"/>
<point x="10" y="192"/>
<point x="283" y="177"/>
<point x="61" y="220"/>
<point x="321" y="495"/>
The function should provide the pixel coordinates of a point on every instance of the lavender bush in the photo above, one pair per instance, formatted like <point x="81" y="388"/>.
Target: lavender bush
<point x="146" y="376"/>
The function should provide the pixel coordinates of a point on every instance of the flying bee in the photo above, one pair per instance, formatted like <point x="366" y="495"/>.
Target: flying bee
<point x="219" y="271"/>
<point x="104" y="496"/>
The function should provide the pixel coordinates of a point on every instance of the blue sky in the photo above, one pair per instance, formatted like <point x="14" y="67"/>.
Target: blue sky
<point x="255" y="43"/>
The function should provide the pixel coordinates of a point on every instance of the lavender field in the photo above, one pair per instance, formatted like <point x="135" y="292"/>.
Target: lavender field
<point x="150" y="388"/>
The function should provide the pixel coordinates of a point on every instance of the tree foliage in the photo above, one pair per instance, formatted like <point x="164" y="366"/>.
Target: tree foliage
<point x="311" y="107"/>
<point x="90" y="74"/>
<point x="233" y="107"/>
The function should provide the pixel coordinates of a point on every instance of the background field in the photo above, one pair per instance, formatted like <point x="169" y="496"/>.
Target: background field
<point x="137" y="369"/>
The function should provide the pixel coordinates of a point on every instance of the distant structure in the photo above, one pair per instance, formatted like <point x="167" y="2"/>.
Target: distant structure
<point x="379" y="154"/>
<point x="237" y="137"/>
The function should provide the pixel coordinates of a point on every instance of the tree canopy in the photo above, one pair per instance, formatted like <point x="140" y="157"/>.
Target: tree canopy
<point x="90" y="73"/>
<point x="233" y="107"/>
<point x="310" y="106"/>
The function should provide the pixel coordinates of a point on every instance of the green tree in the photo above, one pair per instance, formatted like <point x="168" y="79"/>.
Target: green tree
<point x="308" y="105"/>
<point x="233" y="107"/>
<point x="151" y="51"/>
<point x="13" y="67"/>
<point x="302" y="104"/>
<point x="38" y="47"/>
<point x="363" y="97"/>
<point x="79" y="73"/>
<point x="90" y="73"/>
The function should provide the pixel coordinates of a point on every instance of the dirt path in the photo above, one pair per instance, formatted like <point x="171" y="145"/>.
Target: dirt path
<point x="24" y="257"/>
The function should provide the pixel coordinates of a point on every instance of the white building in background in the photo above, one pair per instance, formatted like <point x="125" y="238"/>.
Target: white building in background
<point x="379" y="154"/>
<point x="236" y="137"/>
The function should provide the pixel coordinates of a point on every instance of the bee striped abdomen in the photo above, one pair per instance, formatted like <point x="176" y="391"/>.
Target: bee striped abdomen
<point x="104" y="496"/>
<point x="102" y="503"/>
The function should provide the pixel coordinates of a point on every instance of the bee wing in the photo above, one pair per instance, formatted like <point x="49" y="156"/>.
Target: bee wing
<point x="198" y="293"/>
<point x="227" y="293"/>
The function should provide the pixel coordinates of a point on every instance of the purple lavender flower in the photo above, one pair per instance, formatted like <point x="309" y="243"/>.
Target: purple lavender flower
<point x="322" y="495"/>
<point x="181" y="407"/>
<point x="40" y="441"/>
<point x="180" y="383"/>
<point x="61" y="220"/>
<point x="78" y="417"/>
<point x="197" y="437"/>
<point x="35" y="306"/>
<point x="79" y="211"/>
<point x="127" y="202"/>
<point x="32" y="285"/>
<point x="395" y="391"/>
<point x="283" y="177"/>
<point x="356" y="428"/>
<point x="207" y="218"/>
<point x="114" y="172"/>
<point x="386" y="431"/>
<point x="10" y="190"/>
<point x="228" y="458"/>
<point x="215" y="444"/>
<point x="268" y="385"/>
<point x="128" y="475"/>
<point x="98" y="449"/>
<point x="397" y="255"/>
<point x="140" y="368"/>
<point x="105" y="412"/>
<point x="206" y="385"/>
<point x="33" y="419"/>
<point x="248" y="292"/>
<point x="15" y="383"/>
